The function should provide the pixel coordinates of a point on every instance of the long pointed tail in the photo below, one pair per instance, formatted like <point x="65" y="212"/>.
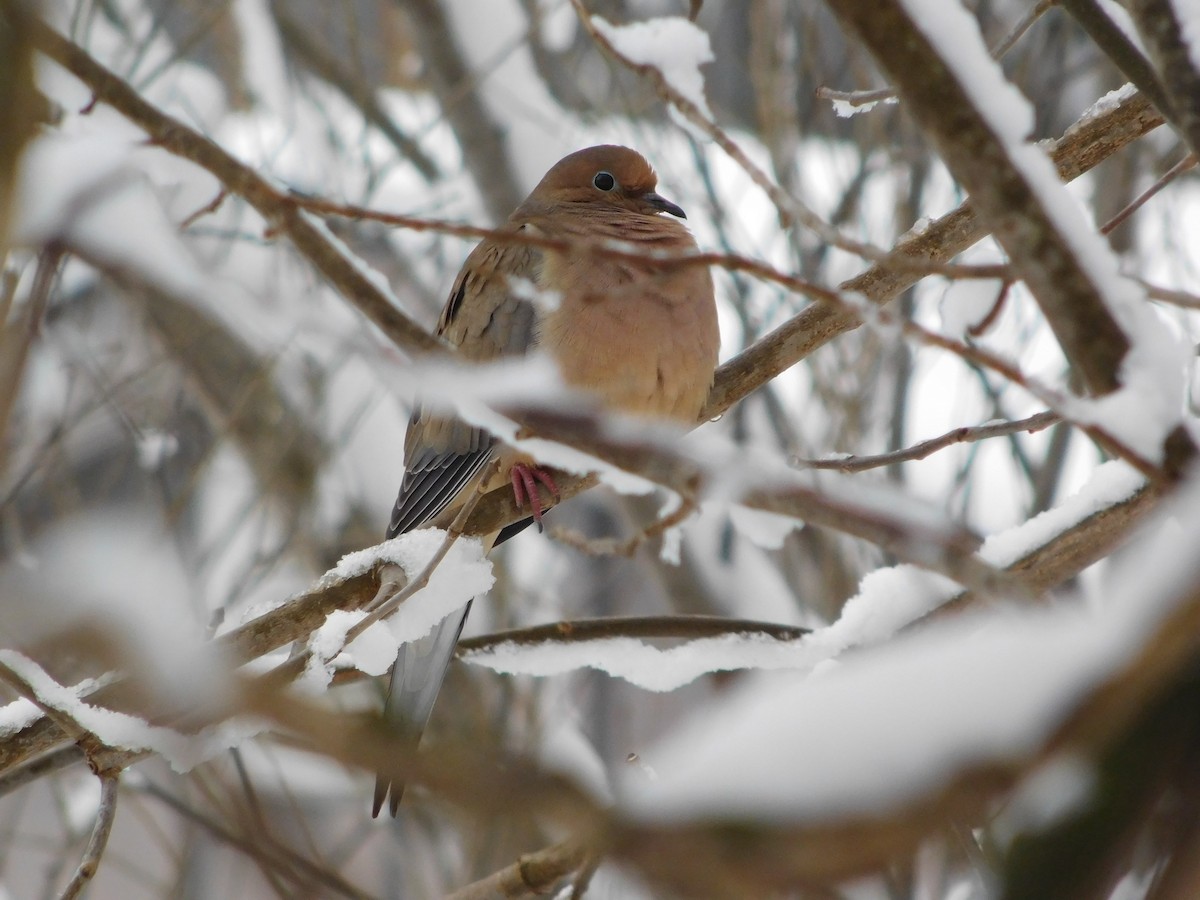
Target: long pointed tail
<point x="416" y="679"/>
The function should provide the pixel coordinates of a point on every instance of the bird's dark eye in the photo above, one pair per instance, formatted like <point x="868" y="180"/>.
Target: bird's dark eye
<point x="604" y="181"/>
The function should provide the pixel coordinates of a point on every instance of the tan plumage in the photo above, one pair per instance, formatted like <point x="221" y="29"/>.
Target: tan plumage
<point x="639" y="335"/>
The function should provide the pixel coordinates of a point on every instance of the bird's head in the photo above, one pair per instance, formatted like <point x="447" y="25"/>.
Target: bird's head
<point x="606" y="176"/>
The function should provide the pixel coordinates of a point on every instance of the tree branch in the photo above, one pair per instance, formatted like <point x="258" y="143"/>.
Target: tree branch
<point x="109" y="784"/>
<point x="276" y="207"/>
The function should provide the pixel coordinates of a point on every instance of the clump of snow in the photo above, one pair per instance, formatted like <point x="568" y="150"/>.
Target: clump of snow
<point x="844" y="109"/>
<point x="1111" y="483"/>
<point x="650" y="668"/>
<point x="1104" y="105"/>
<point x="895" y="722"/>
<point x="888" y="599"/>
<point x="463" y="573"/>
<point x="121" y="578"/>
<point x="83" y="184"/>
<point x="372" y="652"/>
<point x="155" y="447"/>
<point x="671" y="44"/>
<point x="125" y="732"/>
<point x="18" y="715"/>
<point x="864" y="738"/>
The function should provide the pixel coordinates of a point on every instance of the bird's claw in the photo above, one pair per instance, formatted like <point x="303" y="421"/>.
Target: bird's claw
<point x="525" y="481"/>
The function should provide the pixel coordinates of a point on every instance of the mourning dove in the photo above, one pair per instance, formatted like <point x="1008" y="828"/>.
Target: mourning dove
<point x="639" y="335"/>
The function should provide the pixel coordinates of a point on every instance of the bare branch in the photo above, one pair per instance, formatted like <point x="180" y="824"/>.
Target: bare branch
<point x="851" y="463"/>
<point x="109" y="784"/>
<point x="237" y="178"/>
<point x="1160" y="28"/>
<point x="534" y="874"/>
<point x="644" y="627"/>
<point x="1085" y="145"/>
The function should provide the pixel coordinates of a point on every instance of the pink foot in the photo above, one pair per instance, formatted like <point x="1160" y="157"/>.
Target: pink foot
<point x="525" y="481"/>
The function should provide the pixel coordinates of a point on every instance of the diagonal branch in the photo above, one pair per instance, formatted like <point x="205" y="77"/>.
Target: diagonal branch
<point x="1005" y="194"/>
<point x="1002" y="193"/>
<point x="274" y="205"/>
<point x="1084" y="145"/>
<point x="1159" y="24"/>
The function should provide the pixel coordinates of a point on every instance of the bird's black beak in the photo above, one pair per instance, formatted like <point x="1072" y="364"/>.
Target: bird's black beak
<point x="664" y="204"/>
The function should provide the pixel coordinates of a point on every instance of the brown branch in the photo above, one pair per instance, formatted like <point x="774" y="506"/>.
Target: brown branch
<point x="1001" y="194"/>
<point x="238" y="391"/>
<point x="1120" y="50"/>
<point x="17" y="338"/>
<point x="271" y="856"/>
<point x="109" y="784"/>
<point x="690" y="628"/>
<point x="1086" y="144"/>
<point x="1161" y="31"/>
<point x="965" y="435"/>
<point x="787" y="207"/>
<point x="534" y="874"/>
<point x="276" y="207"/>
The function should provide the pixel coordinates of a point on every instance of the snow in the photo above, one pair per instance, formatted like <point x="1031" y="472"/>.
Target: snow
<point x="1104" y="105"/>
<point x="125" y="732"/>
<point x="648" y="667"/>
<point x="674" y="46"/>
<point x="119" y="578"/>
<point x="372" y="652"/>
<point x="979" y="689"/>
<point x="966" y="304"/>
<point x="844" y="109"/>
<point x="82" y="184"/>
<point x="888" y="599"/>
<point x="155" y="447"/>
<point x="1111" y="483"/>
<point x="1150" y="402"/>
<point x="865" y="738"/>
<point x="463" y="573"/>
<point x="475" y="392"/>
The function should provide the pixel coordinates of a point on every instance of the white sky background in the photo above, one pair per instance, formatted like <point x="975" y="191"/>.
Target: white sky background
<point x="280" y="306"/>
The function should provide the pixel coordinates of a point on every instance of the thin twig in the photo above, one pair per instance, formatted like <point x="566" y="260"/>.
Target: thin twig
<point x="109" y="783"/>
<point x="608" y="249"/>
<point x="1170" y="295"/>
<point x="963" y="435"/>
<point x="268" y="853"/>
<point x="1188" y="162"/>
<point x="614" y="547"/>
